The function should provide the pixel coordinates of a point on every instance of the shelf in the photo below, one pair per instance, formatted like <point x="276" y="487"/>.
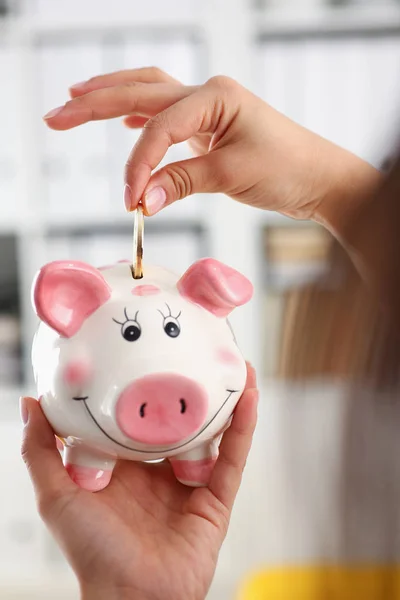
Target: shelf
<point x="328" y="20"/>
<point x="169" y="24"/>
<point x="11" y="224"/>
<point x="169" y="219"/>
<point x="268" y="22"/>
<point x="94" y="223"/>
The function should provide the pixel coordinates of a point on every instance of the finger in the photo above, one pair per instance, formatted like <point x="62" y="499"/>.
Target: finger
<point x="251" y="381"/>
<point x="118" y="101"/>
<point x="234" y="449"/>
<point x="177" y="181"/>
<point x="196" y="113"/>
<point x="134" y="122"/>
<point x="144" y="75"/>
<point x="40" y="454"/>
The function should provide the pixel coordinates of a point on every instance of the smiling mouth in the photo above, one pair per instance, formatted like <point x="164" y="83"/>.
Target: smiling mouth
<point x="84" y="399"/>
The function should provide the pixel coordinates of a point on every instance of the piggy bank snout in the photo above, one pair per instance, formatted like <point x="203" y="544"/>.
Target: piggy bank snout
<point x="161" y="409"/>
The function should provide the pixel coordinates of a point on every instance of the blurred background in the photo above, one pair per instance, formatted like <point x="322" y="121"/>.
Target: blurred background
<point x="332" y="66"/>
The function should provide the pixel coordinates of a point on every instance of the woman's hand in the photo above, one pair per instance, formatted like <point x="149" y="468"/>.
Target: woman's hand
<point x="244" y="148"/>
<point x="146" y="536"/>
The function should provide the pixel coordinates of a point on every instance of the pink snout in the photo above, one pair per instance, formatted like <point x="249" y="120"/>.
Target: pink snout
<point x="161" y="409"/>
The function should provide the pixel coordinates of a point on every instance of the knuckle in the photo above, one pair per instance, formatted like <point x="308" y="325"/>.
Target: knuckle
<point x="127" y="169"/>
<point x="83" y="103"/>
<point x="221" y="512"/>
<point x="25" y="450"/>
<point x="131" y="91"/>
<point x="160" y="122"/>
<point x="181" y="181"/>
<point x="77" y="102"/>
<point x="224" y="514"/>
<point x="157" y="73"/>
<point x="129" y="85"/>
<point x="132" y="164"/>
<point x="222" y="82"/>
<point x="25" y="454"/>
<point x="227" y="461"/>
<point x="242" y="429"/>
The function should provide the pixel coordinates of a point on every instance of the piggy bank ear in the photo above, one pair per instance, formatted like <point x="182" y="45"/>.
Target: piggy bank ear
<point x="215" y="286"/>
<point x="65" y="293"/>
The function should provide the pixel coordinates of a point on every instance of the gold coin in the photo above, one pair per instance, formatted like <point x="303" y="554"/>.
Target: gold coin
<point x="138" y="243"/>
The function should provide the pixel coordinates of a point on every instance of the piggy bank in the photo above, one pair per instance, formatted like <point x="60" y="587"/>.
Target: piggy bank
<point x="138" y="369"/>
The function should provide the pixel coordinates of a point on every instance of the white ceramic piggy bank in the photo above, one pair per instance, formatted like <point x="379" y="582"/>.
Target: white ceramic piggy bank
<point x="138" y="369"/>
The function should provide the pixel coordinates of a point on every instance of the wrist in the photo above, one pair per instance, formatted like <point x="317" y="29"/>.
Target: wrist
<point x="349" y="183"/>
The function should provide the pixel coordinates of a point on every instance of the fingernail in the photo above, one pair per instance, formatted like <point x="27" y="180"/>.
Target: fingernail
<point x="77" y="85"/>
<point x="23" y="410"/>
<point x="53" y="112"/>
<point x="128" y="198"/>
<point x="154" y="200"/>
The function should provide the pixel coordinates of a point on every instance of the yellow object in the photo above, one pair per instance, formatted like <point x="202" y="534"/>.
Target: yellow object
<point x="358" y="582"/>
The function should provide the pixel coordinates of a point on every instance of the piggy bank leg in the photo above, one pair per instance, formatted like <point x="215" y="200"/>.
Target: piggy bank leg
<point x="194" y="468"/>
<point x="90" y="470"/>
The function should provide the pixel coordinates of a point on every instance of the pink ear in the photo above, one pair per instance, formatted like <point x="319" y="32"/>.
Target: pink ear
<point x="65" y="293"/>
<point x="215" y="286"/>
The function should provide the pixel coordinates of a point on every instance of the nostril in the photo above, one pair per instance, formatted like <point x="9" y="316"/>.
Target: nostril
<point x="182" y="402"/>
<point x="161" y="409"/>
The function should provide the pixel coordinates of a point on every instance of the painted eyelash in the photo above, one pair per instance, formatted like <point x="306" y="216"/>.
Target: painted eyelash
<point x="127" y="318"/>
<point x="170" y="313"/>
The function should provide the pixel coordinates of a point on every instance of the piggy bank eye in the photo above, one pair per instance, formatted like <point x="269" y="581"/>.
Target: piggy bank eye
<point x="172" y="327"/>
<point x="130" y="328"/>
<point x="171" y="324"/>
<point x="131" y="331"/>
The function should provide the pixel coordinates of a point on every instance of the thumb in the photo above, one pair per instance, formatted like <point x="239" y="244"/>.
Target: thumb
<point x="201" y="175"/>
<point x="39" y="452"/>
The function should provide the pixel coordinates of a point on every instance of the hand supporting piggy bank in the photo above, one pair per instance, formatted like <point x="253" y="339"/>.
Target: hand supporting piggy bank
<point x="138" y="369"/>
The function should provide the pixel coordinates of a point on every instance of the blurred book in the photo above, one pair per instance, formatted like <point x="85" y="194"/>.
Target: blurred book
<point x="293" y="256"/>
<point x="10" y="363"/>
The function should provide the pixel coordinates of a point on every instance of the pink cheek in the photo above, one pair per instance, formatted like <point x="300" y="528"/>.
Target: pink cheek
<point x="77" y="373"/>
<point x="145" y="290"/>
<point x="228" y="357"/>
